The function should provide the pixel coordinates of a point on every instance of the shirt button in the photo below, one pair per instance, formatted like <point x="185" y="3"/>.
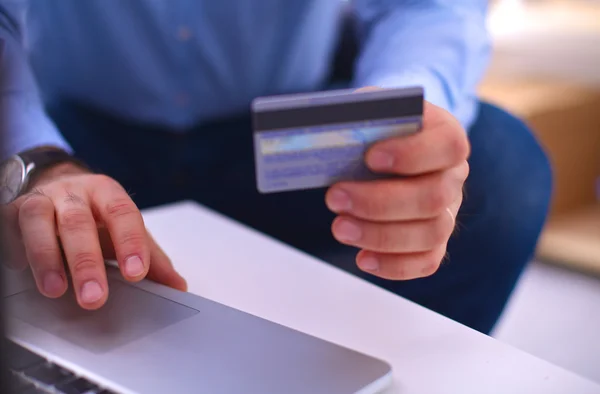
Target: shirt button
<point x="184" y="33"/>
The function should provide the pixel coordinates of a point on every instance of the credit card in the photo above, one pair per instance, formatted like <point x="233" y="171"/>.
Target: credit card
<point x="313" y="140"/>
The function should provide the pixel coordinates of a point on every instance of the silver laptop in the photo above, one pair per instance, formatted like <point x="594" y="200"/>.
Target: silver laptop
<point x="151" y="339"/>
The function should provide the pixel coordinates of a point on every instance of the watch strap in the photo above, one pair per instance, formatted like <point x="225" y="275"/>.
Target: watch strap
<point x="44" y="158"/>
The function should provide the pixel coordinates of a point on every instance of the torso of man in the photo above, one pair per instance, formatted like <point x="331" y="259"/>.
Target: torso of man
<point x="178" y="63"/>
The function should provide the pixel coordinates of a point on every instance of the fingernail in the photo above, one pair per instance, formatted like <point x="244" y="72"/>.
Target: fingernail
<point x="380" y="160"/>
<point x="345" y="230"/>
<point x="91" y="292"/>
<point x="369" y="264"/>
<point x="339" y="201"/>
<point x="134" y="266"/>
<point x="53" y="283"/>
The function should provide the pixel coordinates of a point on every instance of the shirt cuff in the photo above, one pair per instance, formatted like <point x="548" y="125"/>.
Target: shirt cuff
<point x="24" y="125"/>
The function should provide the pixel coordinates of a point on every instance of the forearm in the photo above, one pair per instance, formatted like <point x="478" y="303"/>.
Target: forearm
<point x="23" y="122"/>
<point x="441" y="45"/>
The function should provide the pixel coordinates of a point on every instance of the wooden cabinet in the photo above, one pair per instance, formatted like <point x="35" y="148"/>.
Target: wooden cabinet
<point x="548" y="73"/>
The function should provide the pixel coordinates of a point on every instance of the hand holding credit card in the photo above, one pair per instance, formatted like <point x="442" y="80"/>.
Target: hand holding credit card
<point x="394" y="164"/>
<point x="314" y="140"/>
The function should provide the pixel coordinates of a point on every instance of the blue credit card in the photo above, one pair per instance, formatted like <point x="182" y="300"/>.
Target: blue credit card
<point x="310" y="141"/>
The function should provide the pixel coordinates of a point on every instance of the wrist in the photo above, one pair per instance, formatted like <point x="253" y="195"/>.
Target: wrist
<point x="55" y="172"/>
<point x="62" y="169"/>
<point x="30" y="168"/>
<point x="52" y="163"/>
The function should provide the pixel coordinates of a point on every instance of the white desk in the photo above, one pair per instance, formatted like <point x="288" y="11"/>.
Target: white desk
<point x="239" y="267"/>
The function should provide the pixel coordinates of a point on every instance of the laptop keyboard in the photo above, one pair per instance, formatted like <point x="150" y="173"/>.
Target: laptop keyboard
<point x="32" y="374"/>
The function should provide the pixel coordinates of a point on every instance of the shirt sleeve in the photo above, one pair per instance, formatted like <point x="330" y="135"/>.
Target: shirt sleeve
<point x="441" y="45"/>
<point x="23" y="121"/>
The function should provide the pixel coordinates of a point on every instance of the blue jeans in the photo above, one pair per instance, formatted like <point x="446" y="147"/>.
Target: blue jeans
<point x="505" y="206"/>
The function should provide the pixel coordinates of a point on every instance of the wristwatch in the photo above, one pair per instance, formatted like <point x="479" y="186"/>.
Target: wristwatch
<point x="16" y="172"/>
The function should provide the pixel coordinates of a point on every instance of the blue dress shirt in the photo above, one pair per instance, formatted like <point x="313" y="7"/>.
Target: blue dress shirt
<point x="179" y="62"/>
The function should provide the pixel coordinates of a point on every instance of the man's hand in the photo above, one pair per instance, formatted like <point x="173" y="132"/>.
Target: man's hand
<point x="403" y="224"/>
<point x="90" y="217"/>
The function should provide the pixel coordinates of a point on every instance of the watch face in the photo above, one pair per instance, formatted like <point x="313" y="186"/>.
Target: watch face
<point x="12" y="175"/>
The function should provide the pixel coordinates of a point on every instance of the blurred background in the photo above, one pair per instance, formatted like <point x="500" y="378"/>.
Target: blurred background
<point x="546" y="69"/>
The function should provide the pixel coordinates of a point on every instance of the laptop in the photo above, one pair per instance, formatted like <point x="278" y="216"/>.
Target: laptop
<point x="149" y="338"/>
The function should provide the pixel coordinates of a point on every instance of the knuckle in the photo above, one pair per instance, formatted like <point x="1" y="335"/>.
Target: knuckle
<point x="459" y="145"/>
<point x="84" y="263"/>
<point x="466" y="173"/>
<point x="438" y="199"/>
<point x="398" y="271"/>
<point x="132" y="238"/>
<point x="101" y="179"/>
<point x="375" y="202"/>
<point x="121" y="207"/>
<point x="35" y="206"/>
<point x="42" y="252"/>
<point x="455" y="136"/>
<point x="73" y="199"/>
<point x="384" y="238"/>
<point x="430" y="267"/>
<point x="74" y="220"/>
<point x="462" y="171"/>
<point x="104" y="181"/>
<point x="439" y="230"/>
<point x="374" y="207"/>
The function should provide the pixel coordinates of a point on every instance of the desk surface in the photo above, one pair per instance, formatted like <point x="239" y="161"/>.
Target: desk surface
<point x="239" y="267"/>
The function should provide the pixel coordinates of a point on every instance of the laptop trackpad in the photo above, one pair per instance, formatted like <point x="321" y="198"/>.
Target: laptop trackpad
<point x="129" y="314"/>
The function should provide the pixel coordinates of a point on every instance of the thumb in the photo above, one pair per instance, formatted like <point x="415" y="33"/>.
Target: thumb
<point x="161" y="268"/>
